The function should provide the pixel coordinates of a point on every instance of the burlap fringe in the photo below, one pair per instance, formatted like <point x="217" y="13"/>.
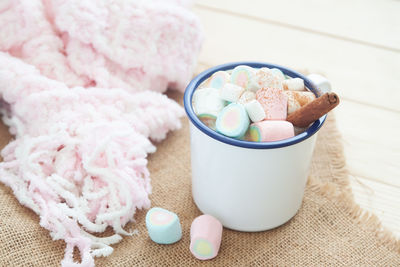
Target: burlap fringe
<point x="365" y="219"/>
<point x="340" y="192"/>
<point x="339" y="161"/>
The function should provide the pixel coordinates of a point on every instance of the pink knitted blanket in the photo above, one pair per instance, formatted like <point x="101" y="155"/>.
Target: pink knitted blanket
<point x="75" y="81"/>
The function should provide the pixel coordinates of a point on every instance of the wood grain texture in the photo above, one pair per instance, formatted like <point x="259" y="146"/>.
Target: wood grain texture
<point x="370" y="154"/>
<point x="367" y="22"/>
<point x="381" y="199"/>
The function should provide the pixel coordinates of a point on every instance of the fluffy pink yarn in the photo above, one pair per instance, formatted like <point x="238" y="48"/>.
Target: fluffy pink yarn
<point x="130" y="44"/>
<point x="79" y="157"/>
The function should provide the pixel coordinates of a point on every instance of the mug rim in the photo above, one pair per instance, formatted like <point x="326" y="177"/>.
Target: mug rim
<point x="196" y="81"/>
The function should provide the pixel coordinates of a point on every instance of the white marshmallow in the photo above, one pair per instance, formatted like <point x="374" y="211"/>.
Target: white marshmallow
<point x="253" y="85"/>
<point x="278" y="73"/>
<point x="321" y="82"/>
<point x="267" y="79"/>
<point x="255" y="111"/>
<point x="207" y="101"/>
<point x="295" y="84"/>
<point x="246" y="97"/>
<point x="231" y="92"/>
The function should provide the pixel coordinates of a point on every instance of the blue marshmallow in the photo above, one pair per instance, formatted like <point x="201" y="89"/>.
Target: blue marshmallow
<point x="163" y="226"/>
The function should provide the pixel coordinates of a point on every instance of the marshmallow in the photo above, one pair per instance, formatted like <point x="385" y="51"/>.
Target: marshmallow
<point x="267" y="79"/>
<point x="218" y="79"/>
<point x="244" y="76"/>
<point x="297" y="99"/>
<point x="246" y="97"/>
<point x="274" y="102"/>
<point x="207" y="101"/>
<point x="278" y="73"/>
<point x="294" y="84"/>
<point x="255" y="111"/>
<point x="233" y="121"/>
<point x="267" y="131"/>
<point x="321" y="82"/>
<point x="163" y="226"/>
<point x="208" y="120"/>
<point x="230" y="92"/>
<point x="205" y="237"/>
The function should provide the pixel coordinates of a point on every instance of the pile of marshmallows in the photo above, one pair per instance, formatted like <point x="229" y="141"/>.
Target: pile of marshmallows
<point x="229" y="102"/>
<point x="164" y="227"/>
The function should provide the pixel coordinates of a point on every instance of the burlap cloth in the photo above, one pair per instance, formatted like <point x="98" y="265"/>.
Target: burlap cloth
<point x="329" y="229"/>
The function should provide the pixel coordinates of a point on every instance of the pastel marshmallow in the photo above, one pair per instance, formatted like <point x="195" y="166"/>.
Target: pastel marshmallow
<point x="297" y="99"/>
<point x="205" y="237"/>
<point x="294" y="84"/>
<point x="218" y="79"/>
<point x="321" y="82"/>
<point x="231" y="92"/>
<point x="208" y="119"/>
<point x="255" y="111"/>
<point x="274" y="103"/>
<point x="268" y="131"/>
<point x="163" y="226"/>
<point x="278" y="73"/>
<point x="246" y="97"/>
<point x="233" y="121"/>
<point x="244" y="76"/>
<point x="267" y="79"/>
<point x="207" y="101"/>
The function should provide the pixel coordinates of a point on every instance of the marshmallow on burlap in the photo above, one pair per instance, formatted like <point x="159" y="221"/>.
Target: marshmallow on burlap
<point x="205" y="237"/>
<point x="163" y="226"/>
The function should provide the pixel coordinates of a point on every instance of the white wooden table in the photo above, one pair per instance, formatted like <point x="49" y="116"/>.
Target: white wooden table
<point x="356" y="44"/>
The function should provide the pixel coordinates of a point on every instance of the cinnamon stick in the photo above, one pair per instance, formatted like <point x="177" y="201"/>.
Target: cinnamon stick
<point x="312" y="111"/>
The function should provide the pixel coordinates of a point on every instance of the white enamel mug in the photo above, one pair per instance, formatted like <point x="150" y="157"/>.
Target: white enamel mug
<point x="248" y="186"/>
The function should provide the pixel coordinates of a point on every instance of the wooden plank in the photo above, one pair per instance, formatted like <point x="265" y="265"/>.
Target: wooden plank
<point x="380" y="199"/>
<point x="360" y="73"/>
<point x="371" y="141"/>
<point x="368" y="22"/>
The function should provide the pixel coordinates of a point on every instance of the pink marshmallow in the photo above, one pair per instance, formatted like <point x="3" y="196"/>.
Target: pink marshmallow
<point x="266" y="131"/>
<point x="205" y="237"/>
<point x="274" y="102"/>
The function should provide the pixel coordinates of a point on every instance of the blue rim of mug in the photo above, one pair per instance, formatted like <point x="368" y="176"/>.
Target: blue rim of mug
<point x="187" y="100"/>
